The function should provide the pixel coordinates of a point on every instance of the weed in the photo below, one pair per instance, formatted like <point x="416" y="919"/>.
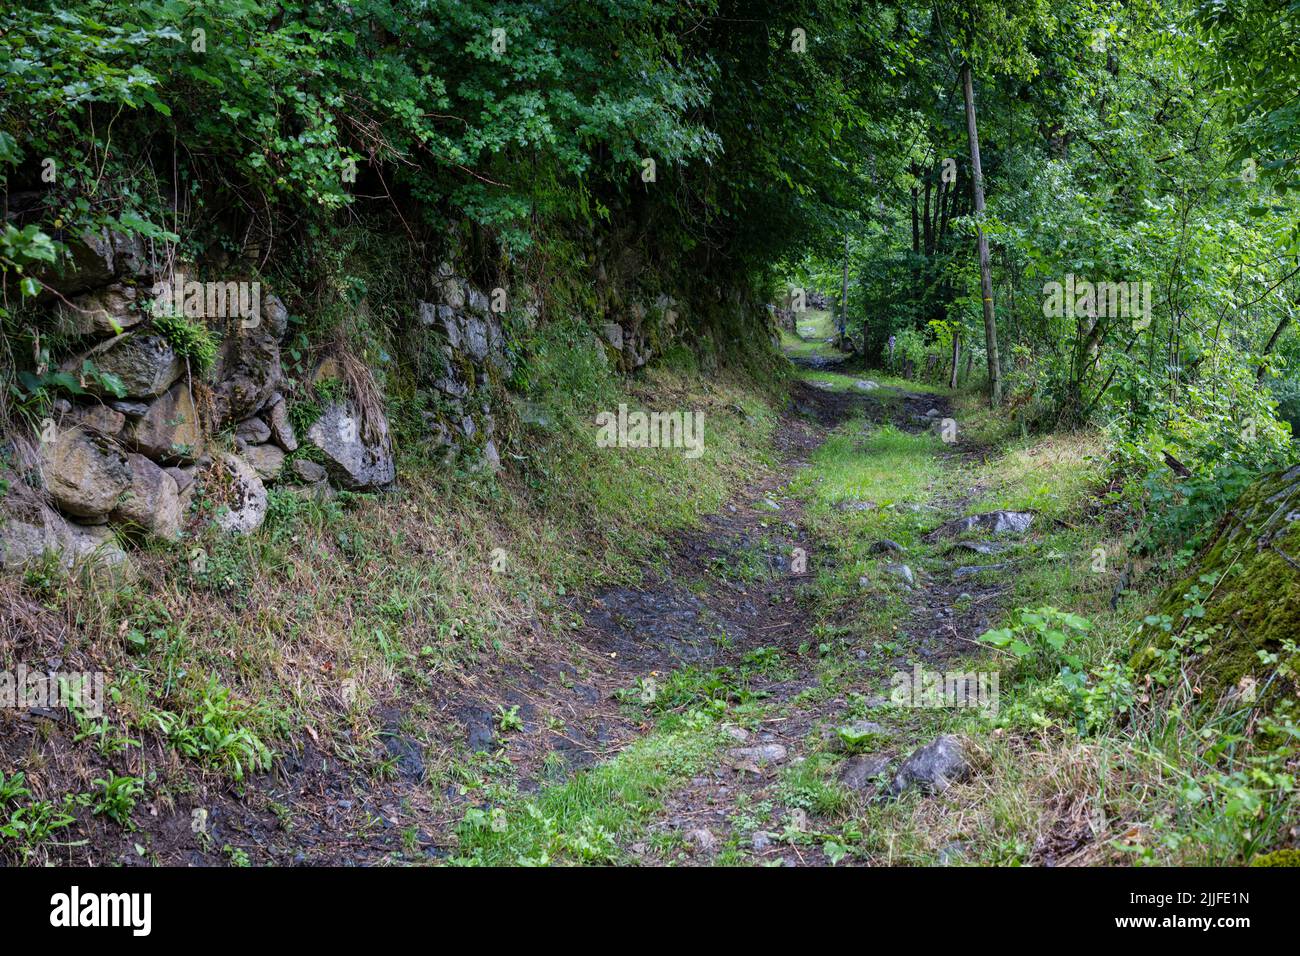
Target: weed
<point x="215" y="731"/>
<point x="192" y="341"/>
<point x="30" y="827"/>
<point x="11" y="788"/>
<point x="508" y="720"/>
<point x="237" y="856"/>
<point x="117" y="797"/>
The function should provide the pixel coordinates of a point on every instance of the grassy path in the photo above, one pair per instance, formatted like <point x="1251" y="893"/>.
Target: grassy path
<point x="769" y="729"/>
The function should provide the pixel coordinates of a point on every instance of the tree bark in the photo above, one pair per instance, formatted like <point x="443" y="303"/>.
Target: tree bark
<point x="942" y="216"/>
<point x="956" y="356"/>
<point x="986" y="275"/>
<point x="929" y="232"/>
<point x="844" y="294"/>
<point x="939" y="200"/>
<point x="916" y="226"/>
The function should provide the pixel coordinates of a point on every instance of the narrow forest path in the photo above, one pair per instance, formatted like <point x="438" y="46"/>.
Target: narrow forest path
<point x="733" y="706"/>
<point x="753" y="688"/>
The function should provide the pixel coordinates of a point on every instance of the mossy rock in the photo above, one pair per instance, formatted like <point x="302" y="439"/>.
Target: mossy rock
<point x="1277" y="858"/>
<point x="1247" y="580"/>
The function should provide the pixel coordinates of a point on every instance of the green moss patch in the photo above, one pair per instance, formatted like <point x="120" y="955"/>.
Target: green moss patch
<point x="1243" y="592"/>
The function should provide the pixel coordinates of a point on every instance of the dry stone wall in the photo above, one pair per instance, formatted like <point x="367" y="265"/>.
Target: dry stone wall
<point x="127" y="458"/>
<point x="157" y="448"/>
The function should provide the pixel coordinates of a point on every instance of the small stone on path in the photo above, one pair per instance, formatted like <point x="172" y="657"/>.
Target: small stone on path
<point x="752" y="758"/>
<point x="933" y="767"/>
<point x="974" y="569"/>
<point x="902" y="572"/>
<point x="857" y="773"/>
<point x="704" y="840"/>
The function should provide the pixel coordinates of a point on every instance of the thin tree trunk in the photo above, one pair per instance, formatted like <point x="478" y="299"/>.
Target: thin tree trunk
<point x="844" y="293"/>
<point x="929" y="232"/>
<point x="916" y="226"/>
<point x="941" y="200"/>
<point x="942" y="216"/>
<point x="956" y="357"/>
<point x="866" y="311"/>
<point x="1014" y="275"/>
<point x="986" y="275"/>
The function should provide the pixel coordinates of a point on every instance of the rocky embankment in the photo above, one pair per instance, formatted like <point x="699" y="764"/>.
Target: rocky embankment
<point x="145" y="440"/>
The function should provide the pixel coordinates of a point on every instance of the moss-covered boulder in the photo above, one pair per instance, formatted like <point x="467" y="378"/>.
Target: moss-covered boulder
<point x="1240" y="597"/>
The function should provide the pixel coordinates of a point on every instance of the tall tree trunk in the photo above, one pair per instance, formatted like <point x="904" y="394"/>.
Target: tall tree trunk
<point x="942" y="215"/>
<point x="916" y="226"/>
<point x="986" y="275"/>
<point x="915" y="293"/>
<point x="939" y="199"/>
<point x="844" y="293"/>
<point x="956" y="357"/>
<point x="929" y="232"/>
<point x="1013" y="276"/>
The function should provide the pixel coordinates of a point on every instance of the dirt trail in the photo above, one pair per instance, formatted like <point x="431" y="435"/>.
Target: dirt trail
<point x="671" y="621"/>
<point x="762" y="524"/>
<point x="725" y="591"/>
<point x="675" y="619"/>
